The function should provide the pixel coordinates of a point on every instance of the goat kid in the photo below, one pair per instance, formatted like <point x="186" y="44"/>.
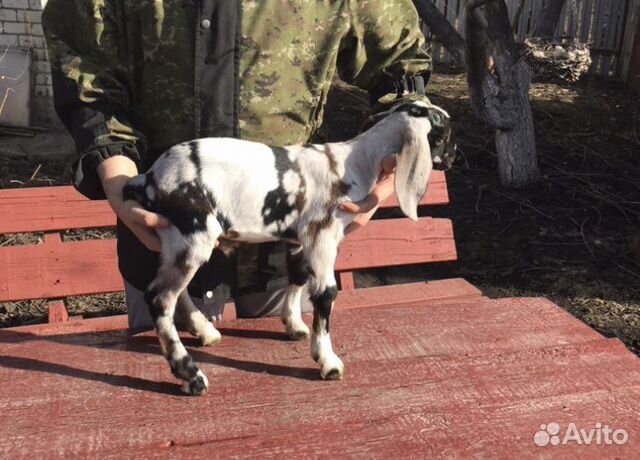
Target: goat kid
<point x="250" y="192"/>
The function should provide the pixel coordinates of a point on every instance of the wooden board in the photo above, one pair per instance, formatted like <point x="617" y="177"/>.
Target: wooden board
<point x="53" y="270"/>
<point x="390" y="242"/>
<point x="426" y="293"/>
<point x="437" y="192"/>
<point x="56" y="270"/>
<point x="45" y="209"/>
<point x="449" y="290"/>
<point x="468" y="380"/>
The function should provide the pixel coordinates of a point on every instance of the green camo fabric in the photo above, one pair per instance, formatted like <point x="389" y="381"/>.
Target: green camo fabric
<point x="138" y="57"/>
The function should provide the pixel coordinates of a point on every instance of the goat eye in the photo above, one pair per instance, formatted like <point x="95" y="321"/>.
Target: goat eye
<point x="437" y="119"/>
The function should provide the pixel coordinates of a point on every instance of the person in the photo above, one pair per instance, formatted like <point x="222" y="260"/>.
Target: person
<point x="133" y="78"/>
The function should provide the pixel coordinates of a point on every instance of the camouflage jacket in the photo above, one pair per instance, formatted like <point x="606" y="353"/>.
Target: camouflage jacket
<point x="134" y="77"/>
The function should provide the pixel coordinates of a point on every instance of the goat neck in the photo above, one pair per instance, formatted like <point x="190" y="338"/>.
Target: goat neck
<point x="363" y="154"/>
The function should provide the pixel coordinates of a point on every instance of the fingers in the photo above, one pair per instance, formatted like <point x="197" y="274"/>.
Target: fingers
<point x="147" y="218"/>
<point x="389" y="164"/>
<point x="382" y="190"/>
<point x="366" y="205"/>
<point x="360" y="221"/>
<point x="143" y="224"/>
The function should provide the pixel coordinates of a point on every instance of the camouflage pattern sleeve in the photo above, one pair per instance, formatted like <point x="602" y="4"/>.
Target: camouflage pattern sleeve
<point x="91" y="90"/>
<point x="384" y="45"/>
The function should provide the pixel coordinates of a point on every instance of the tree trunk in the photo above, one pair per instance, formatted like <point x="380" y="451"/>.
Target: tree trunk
<point x="548" y="19"/>
<point x="499" y="88"/>
<point x="441" y="28"/>
<point x="518" y="161"/>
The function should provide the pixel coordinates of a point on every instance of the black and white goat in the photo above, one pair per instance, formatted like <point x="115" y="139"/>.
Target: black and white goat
<point x="246" y="191"/>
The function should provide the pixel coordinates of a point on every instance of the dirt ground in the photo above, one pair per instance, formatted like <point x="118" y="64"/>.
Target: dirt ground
<point x="573" y="237"/>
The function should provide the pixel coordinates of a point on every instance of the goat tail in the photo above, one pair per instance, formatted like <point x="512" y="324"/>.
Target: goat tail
<point x="136" y="190"/>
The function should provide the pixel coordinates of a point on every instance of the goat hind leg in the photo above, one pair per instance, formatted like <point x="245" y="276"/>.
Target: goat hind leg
<point x="321" y="256"/>
<point x="291" y="311"/>
<point x="195" y="321"/>
<point x="161" y="296"/>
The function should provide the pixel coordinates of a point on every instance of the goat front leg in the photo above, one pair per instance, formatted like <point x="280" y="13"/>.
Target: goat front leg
<point x="321" y="256"/>
<point x="291" y="314"/>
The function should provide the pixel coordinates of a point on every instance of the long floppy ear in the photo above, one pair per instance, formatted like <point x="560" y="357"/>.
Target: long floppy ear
<point x="412" y="172"/>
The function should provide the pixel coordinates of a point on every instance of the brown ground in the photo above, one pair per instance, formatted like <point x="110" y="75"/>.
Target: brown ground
<point x="568" y="238"/>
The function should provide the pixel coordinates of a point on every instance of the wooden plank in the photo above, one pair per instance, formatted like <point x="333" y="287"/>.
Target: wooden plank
<point x="457" y="327"/>
<point x="57" y="312"/>
<point x="59" y="270"/>
<point x="598" y="41"/>
<point x="437" y="192"/>
<point x="398" y="398"/>
<point x="347" y="282"/>
<point x="615" y="38"/>
<point x="609" y="34"/>
<point x="397" y="242"/>
<point x="379" y="332"/>
<point x="428" y="292"/>
<point x="451" y="7"/>
<point x="51" y="209"/>
<point x="440" y="291"/>
<point x="631" y="38"/>
<point x="410" y="389"/>
<point x="585" y="26"/>
<point x="62" y="208"/>
<point x="80" y="325"/>
<point x="572" y="18"/>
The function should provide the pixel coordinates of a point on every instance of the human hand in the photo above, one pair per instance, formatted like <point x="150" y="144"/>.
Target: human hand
<point x="115" y="173"/>
<point x="366" y="208"/>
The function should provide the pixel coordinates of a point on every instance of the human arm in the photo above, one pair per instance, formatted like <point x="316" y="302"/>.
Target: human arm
<point x="114" y="173"/>
<point x="92" y="90"/>
<point x="92" y="96"/>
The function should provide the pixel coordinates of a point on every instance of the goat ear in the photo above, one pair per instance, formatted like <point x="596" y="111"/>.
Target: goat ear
<point x="412" y="172"/>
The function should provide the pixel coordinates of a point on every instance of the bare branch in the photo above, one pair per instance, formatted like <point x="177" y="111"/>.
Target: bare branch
<point x="441" y="28"/>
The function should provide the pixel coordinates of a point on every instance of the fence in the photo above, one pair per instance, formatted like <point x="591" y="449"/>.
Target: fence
<point x="600" y="23"/>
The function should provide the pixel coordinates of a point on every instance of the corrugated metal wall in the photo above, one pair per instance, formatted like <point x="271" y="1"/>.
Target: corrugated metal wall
<point x="598" y="22"/>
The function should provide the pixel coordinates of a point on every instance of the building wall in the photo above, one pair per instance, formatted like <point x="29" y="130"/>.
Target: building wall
<point x="21" y="26"/>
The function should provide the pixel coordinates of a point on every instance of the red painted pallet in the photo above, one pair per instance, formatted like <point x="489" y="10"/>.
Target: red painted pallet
<point x="56" y="270"/>
<point x="466" y="379"/>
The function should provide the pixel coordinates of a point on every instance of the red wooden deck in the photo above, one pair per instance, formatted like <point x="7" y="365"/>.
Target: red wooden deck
<point x="463" y="378"/>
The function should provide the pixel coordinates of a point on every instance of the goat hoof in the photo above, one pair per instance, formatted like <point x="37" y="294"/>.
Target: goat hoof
<point x="198" y="386"/>
<point x="333" y="370"/>
<point x="301" y="333"/>
<point x="211" y="335"/>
